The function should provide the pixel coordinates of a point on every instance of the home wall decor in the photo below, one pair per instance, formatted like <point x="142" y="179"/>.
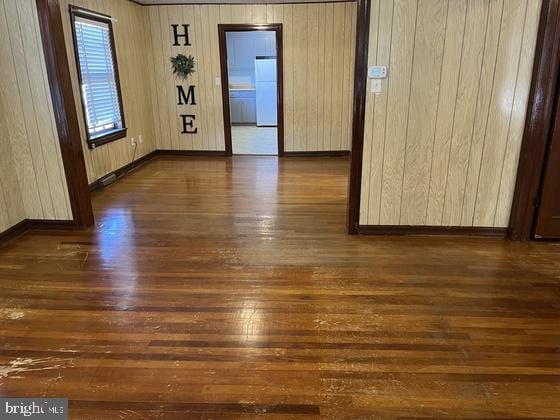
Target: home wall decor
<point x="317" y="100"/>
<point x="318" y="47"/>
<point x="183" y="66"/>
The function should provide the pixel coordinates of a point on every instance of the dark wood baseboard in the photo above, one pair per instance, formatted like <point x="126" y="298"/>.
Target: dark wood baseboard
<point x="13" y="232"/>
<point x="119" y="173"/>
<point x="322" y="153"/>
<point x="39" y="224"/>
<point x="161" y="152"/>
<point x="432" y="230"/>
<point x="27" y="225"/>
<point x="122" y="171"/>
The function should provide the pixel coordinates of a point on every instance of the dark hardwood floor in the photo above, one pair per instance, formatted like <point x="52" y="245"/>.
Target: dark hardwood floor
<point x="219" y="287"/>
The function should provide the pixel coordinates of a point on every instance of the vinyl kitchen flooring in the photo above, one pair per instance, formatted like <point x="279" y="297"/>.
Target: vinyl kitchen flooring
<point x="253" y="140"/>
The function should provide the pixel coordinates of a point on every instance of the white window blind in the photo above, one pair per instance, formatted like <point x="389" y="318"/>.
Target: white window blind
<point x="99" y="88"/>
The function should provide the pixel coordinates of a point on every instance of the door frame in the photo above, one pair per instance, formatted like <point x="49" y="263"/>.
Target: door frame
<point x="539" y="124"/>
<point x="223" y="29"/>
<point x="65" y="111"/>
<point x="358" y="114"/>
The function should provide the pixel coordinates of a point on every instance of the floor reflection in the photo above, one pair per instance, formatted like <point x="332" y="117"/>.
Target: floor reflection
<point x="115" y="231"/>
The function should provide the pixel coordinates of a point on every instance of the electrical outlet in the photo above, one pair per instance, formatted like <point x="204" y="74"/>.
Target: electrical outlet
<point x="140" y="139"/>
<point x="132" y="141"/>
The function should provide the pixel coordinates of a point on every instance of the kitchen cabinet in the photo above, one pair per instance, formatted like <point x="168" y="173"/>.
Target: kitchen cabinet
<point x="265" y="46"/>
<point x="243" y="106"/>
<point x="241" y="51"/>
<point x="244" y="47"/>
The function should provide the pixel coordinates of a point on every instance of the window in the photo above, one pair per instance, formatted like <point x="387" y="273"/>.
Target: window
<point x="98" y="75"/>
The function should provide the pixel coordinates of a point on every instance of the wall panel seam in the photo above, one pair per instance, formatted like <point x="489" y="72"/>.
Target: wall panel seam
<point x="487" y="119"/>
<point x="408" y="112"/>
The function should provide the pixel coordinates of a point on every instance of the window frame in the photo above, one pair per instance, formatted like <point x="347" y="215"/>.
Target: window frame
<point x="106" y="137"/>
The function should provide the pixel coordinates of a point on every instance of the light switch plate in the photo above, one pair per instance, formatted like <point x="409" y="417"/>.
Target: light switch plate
<point x="376" y="86"/>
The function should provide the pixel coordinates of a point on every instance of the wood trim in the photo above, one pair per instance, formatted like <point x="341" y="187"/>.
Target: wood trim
<point x="538" y="125"/>
<point x="163" y="152"/>
<point x="108" y="137"/>
<point x="225" y="91"/>
<point x="87" y="13"/>
<point x="237" y="3"/>
<point x="432" y="230"/>
<point x="13" y="233"/>
<point x="64" y="106"/>
<point x="222" y="30"/>
<point x="118" y="133"/>
<point x="126" y="169"/>
<point x="358" y="116"/>
<point x="27" y="225"/>
<point x="37" y="224"/>
<point x="280" y="88"/>
<point x="321" y="153"/>
<point x="123" y="170"/>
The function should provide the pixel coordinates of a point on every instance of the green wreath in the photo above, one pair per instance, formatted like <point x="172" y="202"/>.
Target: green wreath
<point x="182" y="65"/>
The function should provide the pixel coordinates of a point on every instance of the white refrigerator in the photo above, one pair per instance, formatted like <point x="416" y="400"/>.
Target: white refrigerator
<point x="266" y="92"/>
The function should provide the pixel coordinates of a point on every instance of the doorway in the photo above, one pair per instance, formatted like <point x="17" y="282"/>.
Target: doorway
<point x="251" y="63"/>
<point x="535" y="211"/>
<point x="547" y="218"/>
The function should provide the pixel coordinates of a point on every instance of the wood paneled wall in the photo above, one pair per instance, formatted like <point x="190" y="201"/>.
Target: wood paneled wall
<point x="32" y="180"/>
<point x="442" y="141"/>
<point x="133" y="57"/>
<point x="318" y="46"/>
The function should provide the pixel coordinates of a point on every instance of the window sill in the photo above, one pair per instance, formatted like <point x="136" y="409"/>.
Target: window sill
<point x="106" y="138"/>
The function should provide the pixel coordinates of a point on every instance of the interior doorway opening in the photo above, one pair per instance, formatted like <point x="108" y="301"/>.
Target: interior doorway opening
<point x="251" y="65"/>
<point x="252" y="92"/>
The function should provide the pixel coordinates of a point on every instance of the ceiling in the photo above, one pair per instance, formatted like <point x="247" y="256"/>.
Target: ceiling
<point x="230" y="1"/>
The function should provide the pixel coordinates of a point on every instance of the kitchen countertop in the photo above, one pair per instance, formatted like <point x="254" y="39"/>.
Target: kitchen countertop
<point x="241" y="87"/>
